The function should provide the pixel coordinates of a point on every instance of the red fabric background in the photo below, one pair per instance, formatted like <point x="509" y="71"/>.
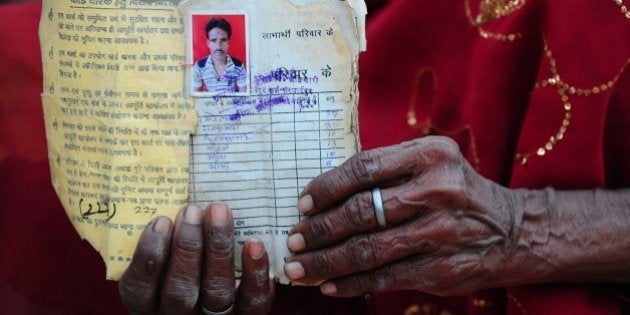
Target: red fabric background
<point x="44" y="267"/>
<point x="425" y="56"/>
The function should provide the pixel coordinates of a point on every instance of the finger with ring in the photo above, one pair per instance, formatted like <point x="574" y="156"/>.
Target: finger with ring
<point x="355" y="216"/>
<point x="229" y="310"/>
<point x="379" y="212"/>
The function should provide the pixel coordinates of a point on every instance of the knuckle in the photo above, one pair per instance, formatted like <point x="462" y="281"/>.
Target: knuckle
<point x="445" y="148"/>
<point x="429" y="150"/>
<point x="189" y="246"/>
<point x="383" y="279"/>
<point x="221" y="245"/>
<point x="261" y="277"/>
<point x="363" y="167"/>
<point x="356" y="285"/>
<point x="445" y="142"/>
<point x="362" y="253"/>
<point x="137" y="296"/>
<point x="147" y="259"/>
<point x="149" y="267"/>
<point x="324" y="189"/>
<point x="322" y="266"/>
<point x="256" y="304"/>
<point x="358" y="211"/>
<point x="218" y="294"/>
<point x="256" y="278"/>
<point x="144" y="265"/>
<point x="419" y="272"/>
<point x="137" y="285"/>
<point x="321" y="231"/>
<point x="181" y="291"/>
<point x="258" y="300"/>
<point x="186" y="256"/>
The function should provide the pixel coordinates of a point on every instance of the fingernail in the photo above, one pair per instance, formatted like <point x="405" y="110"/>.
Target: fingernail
<point x="294" y="270"/>
<point x="296" y="242"/>
<point x="256" y="248"/>
<point x="328" y="288"/>
<point x="305" y="204"/>
<point x="218" y="214"/>
<point x="161" y="225"/>
<point x="192" y="215"/>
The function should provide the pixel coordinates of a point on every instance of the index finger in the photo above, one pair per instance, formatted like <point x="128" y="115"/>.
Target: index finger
<point x="217" y="292"/>
<point x="367" y="169"/>
<point x="180" y="287"/>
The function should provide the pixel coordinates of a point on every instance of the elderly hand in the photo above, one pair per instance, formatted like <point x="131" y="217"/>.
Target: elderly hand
<point x="188" y="268"/>
<point x="448" y="230"/>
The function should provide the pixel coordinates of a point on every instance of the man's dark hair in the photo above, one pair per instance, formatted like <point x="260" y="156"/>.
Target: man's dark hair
<point x="220" y="23"/>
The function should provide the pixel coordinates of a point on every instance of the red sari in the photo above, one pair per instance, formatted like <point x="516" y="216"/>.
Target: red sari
<point x="431" y="68"/>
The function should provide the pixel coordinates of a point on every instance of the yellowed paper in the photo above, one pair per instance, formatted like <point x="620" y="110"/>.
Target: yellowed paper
<point x="131" y="136"/>
<point x="118" y="125"/>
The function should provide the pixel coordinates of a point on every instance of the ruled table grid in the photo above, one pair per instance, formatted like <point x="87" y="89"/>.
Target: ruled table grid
<point x="258" y="154"/>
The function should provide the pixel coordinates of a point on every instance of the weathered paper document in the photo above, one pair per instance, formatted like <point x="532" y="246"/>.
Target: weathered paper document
<point x="150" y="105"/>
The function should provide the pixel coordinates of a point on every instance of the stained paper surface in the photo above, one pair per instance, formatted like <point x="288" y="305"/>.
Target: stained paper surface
<point x="131" y="136"/>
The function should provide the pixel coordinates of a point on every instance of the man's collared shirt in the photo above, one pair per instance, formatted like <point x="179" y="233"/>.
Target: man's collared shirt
<point x="234" y="79"/>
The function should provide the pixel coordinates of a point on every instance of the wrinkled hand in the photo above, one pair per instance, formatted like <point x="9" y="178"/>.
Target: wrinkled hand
<point x="180" y="268"/>
<point x="449" y="230"/>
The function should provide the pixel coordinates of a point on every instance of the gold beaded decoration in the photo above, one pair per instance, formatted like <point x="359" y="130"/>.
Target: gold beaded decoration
<point x="564" y="90"/>
<point x="518" y="303"/>
<point x="481" y="303"/>
<point x="490" y="10"/>
<point x="624" y="9"/>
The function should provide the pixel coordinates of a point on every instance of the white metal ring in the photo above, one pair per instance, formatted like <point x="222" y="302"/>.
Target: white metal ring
<point x="229" y="310"/>
<point x="379" y="212"/>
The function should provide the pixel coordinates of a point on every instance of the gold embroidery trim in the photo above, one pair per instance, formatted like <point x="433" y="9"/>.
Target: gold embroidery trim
<point x="518" y="303"/>
<point x="491" y="10"/>
<point x="427" y="126"/>
<point x="425" y="309"/>
<point x="564" y="90"/>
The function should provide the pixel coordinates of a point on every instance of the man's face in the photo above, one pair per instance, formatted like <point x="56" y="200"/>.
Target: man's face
<point x="218" y="43"/>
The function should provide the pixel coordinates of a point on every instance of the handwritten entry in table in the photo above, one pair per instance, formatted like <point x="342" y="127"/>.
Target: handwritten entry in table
<point x="140" y="119"/>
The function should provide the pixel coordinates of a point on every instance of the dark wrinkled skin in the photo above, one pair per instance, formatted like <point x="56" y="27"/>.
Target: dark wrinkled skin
<point x="450" y="231"/>
<point x="177" y="268"/>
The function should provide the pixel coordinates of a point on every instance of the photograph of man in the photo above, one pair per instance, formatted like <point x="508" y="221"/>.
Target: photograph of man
<point x="219" y="72"/>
